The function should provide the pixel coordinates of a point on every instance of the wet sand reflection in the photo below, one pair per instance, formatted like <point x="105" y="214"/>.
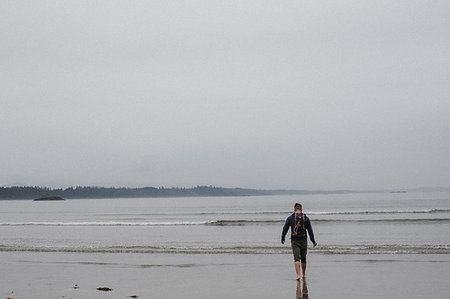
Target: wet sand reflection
<point x="302" y="290"/>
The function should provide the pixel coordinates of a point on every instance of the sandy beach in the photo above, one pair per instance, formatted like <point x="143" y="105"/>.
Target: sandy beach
<point x="72" y="275"/>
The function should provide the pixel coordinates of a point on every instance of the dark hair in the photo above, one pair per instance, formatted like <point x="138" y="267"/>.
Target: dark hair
<point x="297" y="206"/>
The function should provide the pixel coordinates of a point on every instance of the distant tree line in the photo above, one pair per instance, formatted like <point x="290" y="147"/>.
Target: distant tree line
<point x="112" y="192"/>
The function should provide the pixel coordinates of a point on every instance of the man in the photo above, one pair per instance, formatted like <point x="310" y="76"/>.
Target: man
<point x="299" y="224"/>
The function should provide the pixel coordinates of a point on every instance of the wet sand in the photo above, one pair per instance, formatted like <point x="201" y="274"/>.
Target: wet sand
<point x="73" y="275"/>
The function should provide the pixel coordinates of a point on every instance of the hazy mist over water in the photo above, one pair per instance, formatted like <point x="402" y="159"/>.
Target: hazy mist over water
<point x="257" y="94"/>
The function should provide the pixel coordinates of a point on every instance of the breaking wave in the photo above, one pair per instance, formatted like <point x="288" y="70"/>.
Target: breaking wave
<point x="360" y="212"/>
<point x="396" y="220"/>
<point x="428" y="211"/>
<point x="282" y="213"/>
<point x="107" y="223"/>
<point x="225" y="222"/>
<point x="251" y="249"/>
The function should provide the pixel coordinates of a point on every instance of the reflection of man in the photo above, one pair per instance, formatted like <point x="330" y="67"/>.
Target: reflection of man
<point x="299" y="224"/>
<point x="301" y="294"/>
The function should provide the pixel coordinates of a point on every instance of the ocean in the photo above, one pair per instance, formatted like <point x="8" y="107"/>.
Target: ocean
<point x="46" y="248"/>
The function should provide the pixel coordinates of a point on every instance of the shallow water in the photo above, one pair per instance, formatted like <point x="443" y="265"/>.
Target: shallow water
<point x="355" y="223"/>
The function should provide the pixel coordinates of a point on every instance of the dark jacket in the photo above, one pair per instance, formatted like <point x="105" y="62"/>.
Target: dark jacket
<point x="290" y="223"/>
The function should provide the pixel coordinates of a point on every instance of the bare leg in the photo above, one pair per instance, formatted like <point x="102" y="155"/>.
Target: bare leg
<point x="304" y="269"/>
<point x="297" y="269"/>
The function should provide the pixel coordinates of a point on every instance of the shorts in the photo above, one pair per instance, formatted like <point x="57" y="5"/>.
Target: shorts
<point x="299" y="249"/>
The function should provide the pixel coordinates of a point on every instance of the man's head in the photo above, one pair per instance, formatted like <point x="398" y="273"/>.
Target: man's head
<point x="297" y="207"/>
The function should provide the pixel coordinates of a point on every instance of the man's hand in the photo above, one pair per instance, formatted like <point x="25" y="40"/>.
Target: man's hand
<point x="315" y="244"/>
<point x="282" y="242"/>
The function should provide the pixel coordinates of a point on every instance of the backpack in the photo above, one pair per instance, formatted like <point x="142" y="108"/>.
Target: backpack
<point x="299" y="226"/>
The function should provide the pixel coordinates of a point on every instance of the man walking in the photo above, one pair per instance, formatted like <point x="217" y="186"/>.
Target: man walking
<point x="299" y="224"/>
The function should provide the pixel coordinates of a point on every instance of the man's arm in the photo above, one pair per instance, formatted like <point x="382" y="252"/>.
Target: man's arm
<point x="285" y="230"/>
<point x="310" y="232"/>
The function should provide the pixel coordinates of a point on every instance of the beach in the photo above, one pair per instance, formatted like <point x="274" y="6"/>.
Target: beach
<point x="369" y="246"/>
<point x="55" y="275"/>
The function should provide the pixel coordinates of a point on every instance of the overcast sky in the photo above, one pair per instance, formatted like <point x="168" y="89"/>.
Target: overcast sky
<point x="249" y="93"/>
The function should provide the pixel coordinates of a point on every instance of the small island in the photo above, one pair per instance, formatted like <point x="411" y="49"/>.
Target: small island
<point x="48" y="198"/>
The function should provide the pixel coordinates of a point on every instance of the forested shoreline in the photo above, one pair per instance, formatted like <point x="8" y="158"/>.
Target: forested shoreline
<point x="27" y="192"/>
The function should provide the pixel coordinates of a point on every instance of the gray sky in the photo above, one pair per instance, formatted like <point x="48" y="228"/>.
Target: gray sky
<point x="259" y="94"/>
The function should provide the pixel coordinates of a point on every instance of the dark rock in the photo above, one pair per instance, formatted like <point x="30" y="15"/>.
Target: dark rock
<point x="49" y="198"/>
<point x="104" y="289"/>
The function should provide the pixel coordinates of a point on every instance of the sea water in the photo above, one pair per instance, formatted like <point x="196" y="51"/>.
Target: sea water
<point x="233" y="236"/>
<point x="369" y="223"/>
